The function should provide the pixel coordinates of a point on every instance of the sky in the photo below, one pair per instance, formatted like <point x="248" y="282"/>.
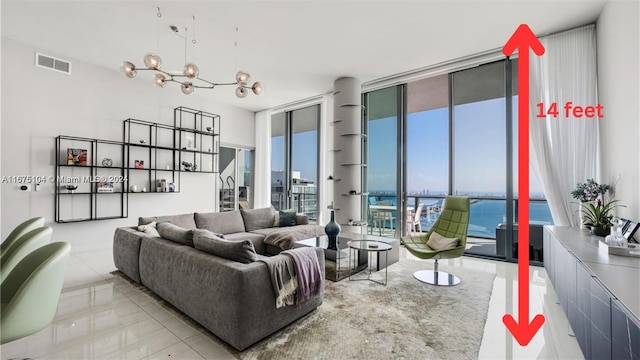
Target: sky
<point x="479" y="150"/>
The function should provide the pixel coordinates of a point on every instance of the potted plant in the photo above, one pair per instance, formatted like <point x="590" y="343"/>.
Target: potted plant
<point x="598" y="216"/>
<point x="595" y="211"/>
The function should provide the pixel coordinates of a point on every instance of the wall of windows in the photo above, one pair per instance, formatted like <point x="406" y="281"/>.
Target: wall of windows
<point x="458" y="140"/>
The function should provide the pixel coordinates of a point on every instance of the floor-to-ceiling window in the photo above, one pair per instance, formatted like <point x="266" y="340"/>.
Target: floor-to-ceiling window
<point x="427" y="150"/>
<point x="480" y="147"/>
<point x="294" y="160"/>
<point x="382" y="114"/>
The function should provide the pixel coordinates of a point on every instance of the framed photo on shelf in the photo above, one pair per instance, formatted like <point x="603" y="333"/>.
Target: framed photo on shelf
<point x="77" y="157"/>
<point x="105" y="187"/>
<point x="139" y="164"/>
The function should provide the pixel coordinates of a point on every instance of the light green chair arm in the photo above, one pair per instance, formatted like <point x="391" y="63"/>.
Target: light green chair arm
<point x="31" y="292"/>
<point x="23" y="247"/>
<point x="20" y="230"/>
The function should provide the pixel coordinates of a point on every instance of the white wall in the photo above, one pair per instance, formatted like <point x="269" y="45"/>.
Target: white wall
<point x="40" y="104"/>
<point x="618" y="86"/>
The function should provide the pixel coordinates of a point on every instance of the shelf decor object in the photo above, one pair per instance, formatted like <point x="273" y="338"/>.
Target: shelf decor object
<point x="189" y="79"/>
<point x="348" y="142"/>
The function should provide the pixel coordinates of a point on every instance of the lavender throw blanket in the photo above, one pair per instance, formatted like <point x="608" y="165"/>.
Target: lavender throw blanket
<point x="310" y="280"/>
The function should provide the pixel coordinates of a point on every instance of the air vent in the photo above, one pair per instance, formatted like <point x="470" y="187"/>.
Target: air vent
<point x="49" y="62"/>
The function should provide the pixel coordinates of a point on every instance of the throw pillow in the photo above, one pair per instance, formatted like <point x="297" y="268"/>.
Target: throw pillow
<point x="240" y="251"/>
<point x="257" y="219"/>
<point x="175" y="233"/>
<point x="276" y="219"/>
<point x="302" y="219"/>
<point x="287" y="218"/>
<point x="439" y="242"/>
<point x="149" y="229"/>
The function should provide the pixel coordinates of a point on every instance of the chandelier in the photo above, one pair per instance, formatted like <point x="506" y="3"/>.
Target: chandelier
<point x="189" y="79"/>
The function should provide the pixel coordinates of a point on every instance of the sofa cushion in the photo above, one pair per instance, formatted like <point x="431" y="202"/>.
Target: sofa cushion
<point x="256" y="239"/>
<point x="240" y="251"/>
<point x="267" y="231"/>
<point x="255" y="219"/>
<point x="220" y="222"/>
<point x="183" y="220"/>
<point x="175" y="233"/>
<point x="286" y="218"/>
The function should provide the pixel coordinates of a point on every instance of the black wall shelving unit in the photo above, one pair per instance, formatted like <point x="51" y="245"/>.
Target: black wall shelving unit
<point x="149" y="153"/>
<point x="89" y="201"/>
<point x="197" y="134"/>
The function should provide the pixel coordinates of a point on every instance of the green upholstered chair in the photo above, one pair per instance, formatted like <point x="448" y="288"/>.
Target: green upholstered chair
<point x="20" y="230"/>
<point x="22" y="247"/>
<point x="452" y="223"/>
<point x="31" y="292"/>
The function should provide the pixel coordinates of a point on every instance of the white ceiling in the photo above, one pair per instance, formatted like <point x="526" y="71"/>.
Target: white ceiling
<point x="295" y="48"/>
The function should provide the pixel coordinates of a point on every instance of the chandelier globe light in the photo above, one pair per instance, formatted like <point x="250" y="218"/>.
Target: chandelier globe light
<point x="189" y="79"/>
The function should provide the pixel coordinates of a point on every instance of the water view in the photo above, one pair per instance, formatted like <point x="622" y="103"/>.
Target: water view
<point x="486" y="214"/>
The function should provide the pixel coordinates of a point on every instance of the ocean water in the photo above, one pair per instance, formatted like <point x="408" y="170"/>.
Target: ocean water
<point x="485" y="215"/>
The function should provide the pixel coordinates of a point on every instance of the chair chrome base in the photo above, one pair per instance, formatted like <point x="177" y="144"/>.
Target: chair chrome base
<point x="440" y="278"/>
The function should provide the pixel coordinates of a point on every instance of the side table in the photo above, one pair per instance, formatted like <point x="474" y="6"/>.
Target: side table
<point x="371" y="247"/>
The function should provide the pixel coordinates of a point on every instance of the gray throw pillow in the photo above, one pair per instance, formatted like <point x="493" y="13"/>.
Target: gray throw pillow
<point x="240" y="251"/>
<point x="257" y="219"/>
<point x="287" y="218"/>
<point x="175" y="233"/>
<point x="302" y="219"/>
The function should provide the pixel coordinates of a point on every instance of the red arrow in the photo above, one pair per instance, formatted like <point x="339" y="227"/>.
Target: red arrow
<point x="523" y="39"/>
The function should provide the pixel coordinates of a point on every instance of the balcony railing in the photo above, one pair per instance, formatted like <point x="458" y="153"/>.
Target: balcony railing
<point x="303" y="202"/>
<point x="487" y="212"/>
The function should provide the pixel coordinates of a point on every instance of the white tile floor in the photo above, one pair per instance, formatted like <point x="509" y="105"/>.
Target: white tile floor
<point x="102" y="317"/>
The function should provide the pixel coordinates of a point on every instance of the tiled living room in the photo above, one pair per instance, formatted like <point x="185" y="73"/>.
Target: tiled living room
<point x="177" y="214"/>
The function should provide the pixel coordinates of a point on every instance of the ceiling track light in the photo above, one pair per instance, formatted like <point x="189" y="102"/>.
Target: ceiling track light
<point x="189" y="79"/>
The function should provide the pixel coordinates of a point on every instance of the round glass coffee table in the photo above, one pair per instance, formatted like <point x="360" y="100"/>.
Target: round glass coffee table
<point x="371" y="247"/>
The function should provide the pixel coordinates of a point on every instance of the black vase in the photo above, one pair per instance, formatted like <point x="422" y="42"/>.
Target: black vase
<point x="332" y="229"/>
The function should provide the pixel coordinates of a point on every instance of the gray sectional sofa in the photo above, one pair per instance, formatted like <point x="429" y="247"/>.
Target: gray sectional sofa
<point x="233" y="300"/>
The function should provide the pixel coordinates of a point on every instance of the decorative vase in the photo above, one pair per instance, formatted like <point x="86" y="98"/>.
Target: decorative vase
<point x="332" y="229"/>
<point x="599" y="231"/>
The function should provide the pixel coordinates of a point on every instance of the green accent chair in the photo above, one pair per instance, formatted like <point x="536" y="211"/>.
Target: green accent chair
<point x="452" y="223"/>
<point x="20" y="230"/>
<point x="31" y="292"/>
<point x="22" y="247"/>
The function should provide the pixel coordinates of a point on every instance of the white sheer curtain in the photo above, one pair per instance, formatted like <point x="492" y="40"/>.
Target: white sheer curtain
<point x="564" y="150"/>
